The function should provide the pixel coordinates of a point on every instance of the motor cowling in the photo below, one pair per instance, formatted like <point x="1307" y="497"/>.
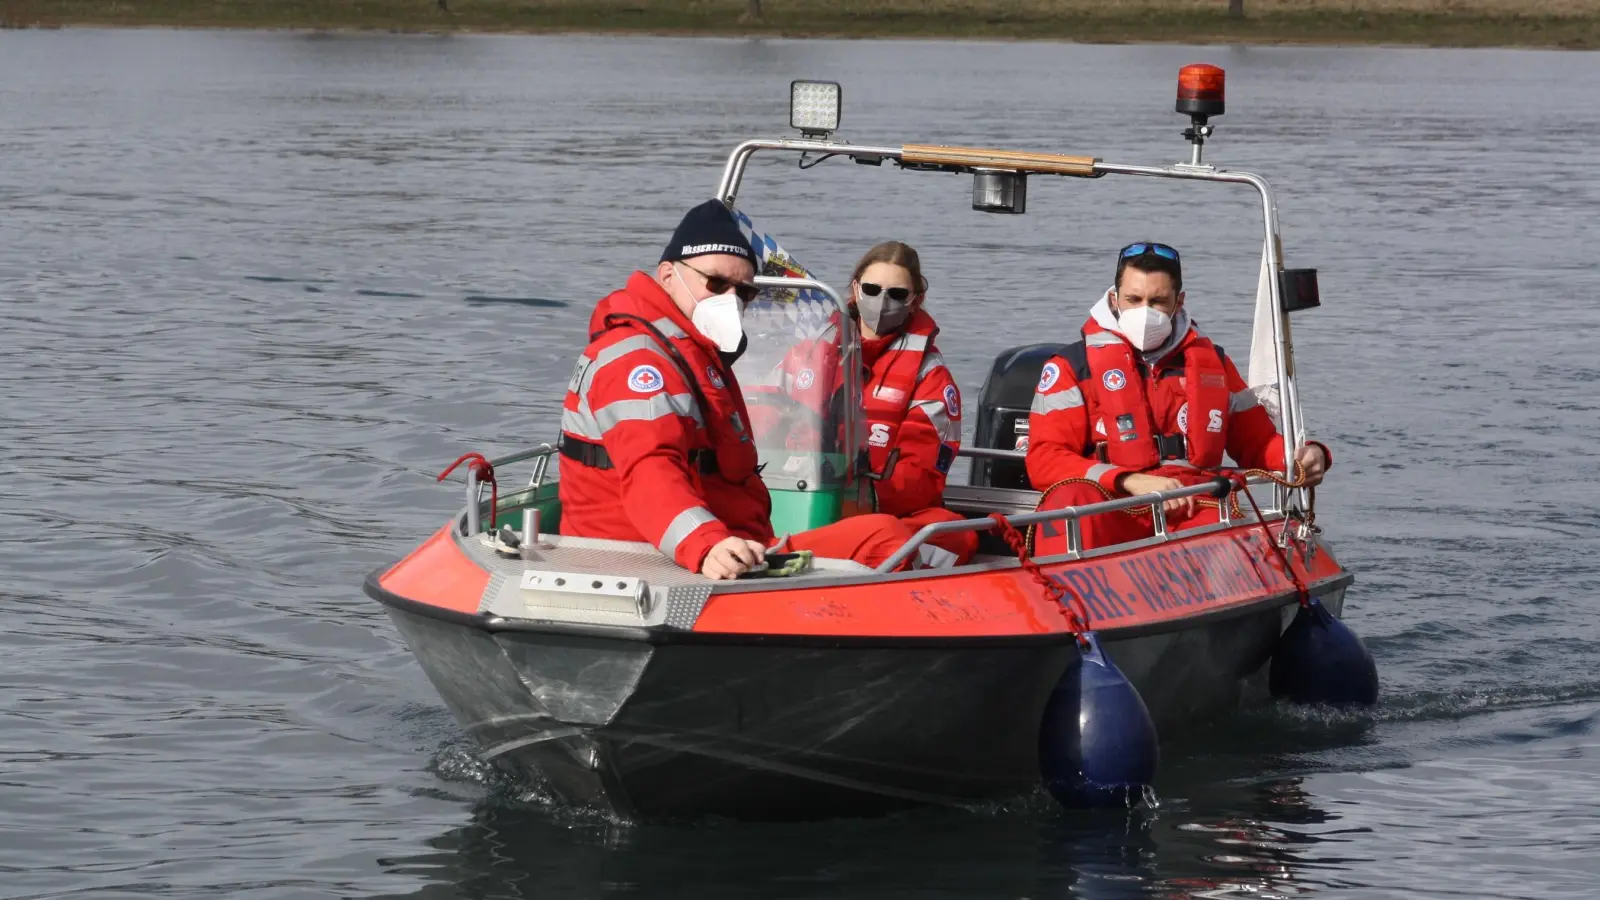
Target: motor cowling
<point x="1003" y="413"/>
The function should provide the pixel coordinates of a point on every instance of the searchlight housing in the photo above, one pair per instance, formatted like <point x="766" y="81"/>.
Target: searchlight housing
<point x="1000" y="191"/>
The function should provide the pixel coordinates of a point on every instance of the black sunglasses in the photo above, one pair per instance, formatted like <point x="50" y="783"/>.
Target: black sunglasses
<point x="898" y="295"/>
<point x="1140" y="248"/>
<point x="716" y="284"/>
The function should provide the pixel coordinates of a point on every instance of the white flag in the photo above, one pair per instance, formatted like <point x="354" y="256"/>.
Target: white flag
<point x="1263" y="377"/>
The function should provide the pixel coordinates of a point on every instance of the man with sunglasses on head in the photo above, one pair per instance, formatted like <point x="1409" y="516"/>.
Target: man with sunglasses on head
<point x="1143" y="402"/>
<point x="655" y="436"/>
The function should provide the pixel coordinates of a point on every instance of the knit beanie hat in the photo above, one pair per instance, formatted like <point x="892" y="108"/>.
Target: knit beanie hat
<point x="708" y="228"/>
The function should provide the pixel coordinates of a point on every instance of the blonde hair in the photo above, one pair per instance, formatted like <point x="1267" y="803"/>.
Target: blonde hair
<point x="896" y="254"/>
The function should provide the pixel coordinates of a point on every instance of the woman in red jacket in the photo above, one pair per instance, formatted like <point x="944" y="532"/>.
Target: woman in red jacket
<point x="913" y="405"/>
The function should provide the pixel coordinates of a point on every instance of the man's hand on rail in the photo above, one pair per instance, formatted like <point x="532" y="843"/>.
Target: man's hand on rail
<point x="1136" y="483"/>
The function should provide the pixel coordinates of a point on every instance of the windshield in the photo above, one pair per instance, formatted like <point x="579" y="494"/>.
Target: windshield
<point x="803" y="403"/>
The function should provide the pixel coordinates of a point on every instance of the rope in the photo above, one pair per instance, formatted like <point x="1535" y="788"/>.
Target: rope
<point x="477" y="463"/>
<point x="1076" y="611"/>
<point x="1298" y="481"/>
<point x="1027" y="546"/>
<point x="1302" y="592"/>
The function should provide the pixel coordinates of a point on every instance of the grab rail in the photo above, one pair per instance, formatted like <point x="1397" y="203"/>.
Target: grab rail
<point x="543" y="452"/>
<point x="1219" y="488"/>
<point x="992" y="453"/>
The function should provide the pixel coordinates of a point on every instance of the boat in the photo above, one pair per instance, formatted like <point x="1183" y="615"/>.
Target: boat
<point x="621" y="681"/>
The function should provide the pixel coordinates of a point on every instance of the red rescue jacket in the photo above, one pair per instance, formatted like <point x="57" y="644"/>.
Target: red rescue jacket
<point x="914" y="406"/>
<point x="656" y="446"/>
<point x="1100" y="411"/>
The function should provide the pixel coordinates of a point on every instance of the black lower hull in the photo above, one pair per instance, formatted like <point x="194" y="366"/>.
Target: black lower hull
<point x="769" y="730"/>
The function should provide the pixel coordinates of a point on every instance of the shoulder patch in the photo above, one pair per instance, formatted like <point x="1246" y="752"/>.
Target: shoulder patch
<point x="805" y="379"/>
<point x="1048" y="376"/>
<point x="645" y="379"/>
<point x="952" y="401"/>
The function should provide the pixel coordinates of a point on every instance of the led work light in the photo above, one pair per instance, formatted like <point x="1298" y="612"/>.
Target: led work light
<point x="814" y="107"/>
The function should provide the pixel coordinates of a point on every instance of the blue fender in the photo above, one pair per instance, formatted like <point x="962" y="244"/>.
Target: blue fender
<point x="1097" y="744"/>
<point x="1320" y="660"/>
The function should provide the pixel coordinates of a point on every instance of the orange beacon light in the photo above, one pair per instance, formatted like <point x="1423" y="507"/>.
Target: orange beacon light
<point x="1200" y="96"/>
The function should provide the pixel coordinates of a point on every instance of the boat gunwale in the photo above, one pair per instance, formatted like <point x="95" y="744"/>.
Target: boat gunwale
<point x="657" y="636"/>
<point x="459" y="533"/>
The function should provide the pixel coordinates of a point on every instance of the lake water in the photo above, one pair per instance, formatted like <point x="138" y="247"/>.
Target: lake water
<point x="257" y="289"/>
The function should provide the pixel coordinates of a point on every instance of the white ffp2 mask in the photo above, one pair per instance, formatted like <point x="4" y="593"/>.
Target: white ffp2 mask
<point x="1145" y="327"/>
<point x="719" y="318"/>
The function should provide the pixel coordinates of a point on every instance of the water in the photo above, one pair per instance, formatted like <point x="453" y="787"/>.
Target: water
<point x="259" y="288"/>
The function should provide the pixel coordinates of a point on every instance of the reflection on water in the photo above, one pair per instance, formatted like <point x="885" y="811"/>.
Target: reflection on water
<point x="1275" y="843"/>
<point x="259" y="288"/>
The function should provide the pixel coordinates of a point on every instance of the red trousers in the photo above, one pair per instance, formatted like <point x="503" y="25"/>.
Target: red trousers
<point x="962" y="545"/>
<point x="868" y="539"/>
<point x="1104" y="529"/>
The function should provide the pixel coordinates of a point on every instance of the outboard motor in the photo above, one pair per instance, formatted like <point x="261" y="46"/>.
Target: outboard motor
<point x="1003" y="413"/>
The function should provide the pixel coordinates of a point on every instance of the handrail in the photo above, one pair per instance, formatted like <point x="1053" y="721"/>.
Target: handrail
<point x="544" y="450"/>
<point x="992" y="453"/>
<point x="1219" y="487"/>
<point x="733" y="169"/>
<point x="522" y="456"/>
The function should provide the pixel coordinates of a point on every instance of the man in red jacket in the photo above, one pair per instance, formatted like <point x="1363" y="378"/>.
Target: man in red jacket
<point x="1142" y="403"/>
<point x="654" y="431"/>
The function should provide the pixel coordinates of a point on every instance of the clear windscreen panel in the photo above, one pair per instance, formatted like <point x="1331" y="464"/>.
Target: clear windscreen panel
<point x="803" y="405"/>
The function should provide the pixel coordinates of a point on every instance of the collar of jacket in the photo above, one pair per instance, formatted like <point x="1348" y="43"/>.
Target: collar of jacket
<point x="874" y="348"/>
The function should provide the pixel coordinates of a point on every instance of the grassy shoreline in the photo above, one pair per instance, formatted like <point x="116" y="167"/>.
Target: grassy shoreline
<point x="1443" y="23"/>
